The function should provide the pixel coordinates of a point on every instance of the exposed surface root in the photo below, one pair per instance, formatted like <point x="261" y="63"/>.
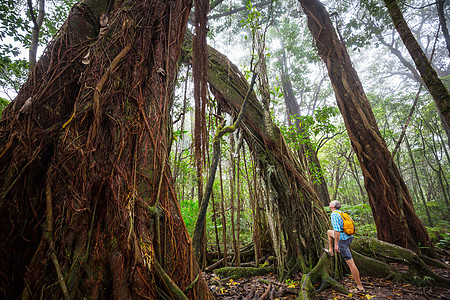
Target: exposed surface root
<point x="376" y="257"/>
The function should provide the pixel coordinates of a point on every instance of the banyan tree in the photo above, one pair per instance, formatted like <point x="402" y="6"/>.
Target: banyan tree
<point x="86" y="194"/>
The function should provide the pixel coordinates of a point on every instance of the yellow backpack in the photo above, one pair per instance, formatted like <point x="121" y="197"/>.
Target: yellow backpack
<point x="349" y="225"/>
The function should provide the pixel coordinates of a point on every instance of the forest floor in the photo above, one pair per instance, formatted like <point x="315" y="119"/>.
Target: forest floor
<point x="375" y="288"/>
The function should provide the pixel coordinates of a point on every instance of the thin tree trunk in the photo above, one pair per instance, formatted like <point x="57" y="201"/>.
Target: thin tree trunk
<point x="180" y="139"/>
<point x="215" y="226"/>
<point x="438" y="170"/>
<point x="408" y="147"/>
<point x="199" y="56"/>
<point x="253" y="207"/>
<point x="386" y="189"/>
<point x="354" y="170"/>
<point x="224" y="219"/>
<point x="339" y="175"/>
<point x="336" y="183"/>
<point x="443" y="22"/>
<point x="435" y="86"/>
<point x="238" y="204"/>
<point x="37" y="24"/>
<point x="232" y="193"/>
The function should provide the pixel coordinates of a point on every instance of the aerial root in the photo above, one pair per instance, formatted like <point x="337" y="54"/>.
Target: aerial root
<point x="175" y="291"/>
<point x="49" y="234"/>
<point x="191" y="285"/>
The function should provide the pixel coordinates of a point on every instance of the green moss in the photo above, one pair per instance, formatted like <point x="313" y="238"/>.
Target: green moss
<point x="236" y="273"/>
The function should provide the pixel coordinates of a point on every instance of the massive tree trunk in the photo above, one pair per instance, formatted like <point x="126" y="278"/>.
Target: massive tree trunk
<point x="86" y="195"/>
<point x="435" y="86"/>
<point x="292" y="197"/>
<point x="391" y="203"/>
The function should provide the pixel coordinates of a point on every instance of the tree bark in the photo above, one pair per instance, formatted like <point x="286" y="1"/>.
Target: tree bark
<point x="86" y="194"/>
<point x="199" y="56"/>
<point x="429" y="76"/>
<point x="391" y="204"/>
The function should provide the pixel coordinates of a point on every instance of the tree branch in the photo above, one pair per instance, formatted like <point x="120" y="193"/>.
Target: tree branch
<point x="236" y="10"/>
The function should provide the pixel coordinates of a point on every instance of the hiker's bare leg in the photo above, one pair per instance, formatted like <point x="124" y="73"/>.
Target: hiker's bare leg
<point x="355" y="273"/>
<point x="330" y="234"/>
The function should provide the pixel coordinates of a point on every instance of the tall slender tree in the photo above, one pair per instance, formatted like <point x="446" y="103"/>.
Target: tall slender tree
<point x="37" y="24"/>
<point x="389" y="198"/>
<point x="199" y="55"/>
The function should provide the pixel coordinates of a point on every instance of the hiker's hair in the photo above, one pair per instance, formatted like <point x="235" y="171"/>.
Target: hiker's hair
<point x="336" y="204"/>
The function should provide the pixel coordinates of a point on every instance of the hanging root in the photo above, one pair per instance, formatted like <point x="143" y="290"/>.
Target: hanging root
<point x="49" y="234"/>
<point x="175" y="291"/>
<point x="190" y="286"/>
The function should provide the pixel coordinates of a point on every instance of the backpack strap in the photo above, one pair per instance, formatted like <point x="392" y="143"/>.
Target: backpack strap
<point x="342" y="217"/>
<point x="341" y="214"/>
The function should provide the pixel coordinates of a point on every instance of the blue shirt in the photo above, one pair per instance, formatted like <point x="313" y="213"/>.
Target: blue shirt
<point x="338" y="225"/>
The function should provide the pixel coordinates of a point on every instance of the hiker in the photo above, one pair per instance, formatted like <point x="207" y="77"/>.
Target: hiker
<point x="342" y="242"/>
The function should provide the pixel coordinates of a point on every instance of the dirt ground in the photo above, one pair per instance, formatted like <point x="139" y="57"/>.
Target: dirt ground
<point x="256" y="287"/>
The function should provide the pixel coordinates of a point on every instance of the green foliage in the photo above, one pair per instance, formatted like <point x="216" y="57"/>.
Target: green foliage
<point x="444" y="243"/>
<point x="3" y="104"/>
<point x="11" y="23"/>
<point x="309" y="126"/>
<point x="423" y="281"/>
<point x="253" y="20"/>
<point x="15" y="33"/>
<point x="440" y="233"/>
<point x="13" y="73"/>
<point x="178" y="133"/>
<point x="189" y="211"/>
<point x="55" y="17"/>
<point x="12" y="34"/>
